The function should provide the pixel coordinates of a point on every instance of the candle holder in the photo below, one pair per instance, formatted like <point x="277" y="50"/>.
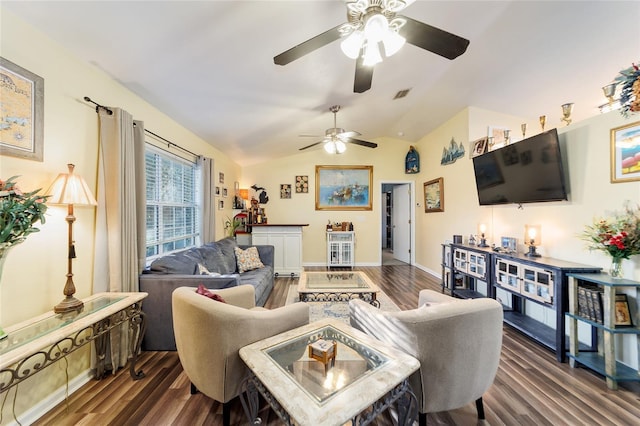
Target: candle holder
<point x="566" y="112"/>
<point x="543" y="121"/>
<point x="523" y="127"/>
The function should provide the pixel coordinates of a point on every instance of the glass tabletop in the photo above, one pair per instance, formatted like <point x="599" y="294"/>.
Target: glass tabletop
<point x="324" y="280"/>
<point x="34" y="330"/>
<point x="353" y="361"/>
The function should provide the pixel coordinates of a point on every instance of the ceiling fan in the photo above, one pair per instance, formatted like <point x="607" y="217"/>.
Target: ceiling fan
<point x="336" y="138"/>
<point x="372" y="23"/>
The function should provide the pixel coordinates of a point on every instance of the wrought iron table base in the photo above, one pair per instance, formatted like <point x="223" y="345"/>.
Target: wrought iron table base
<point x="402" y="395"/>
<point x="342" y="296"/>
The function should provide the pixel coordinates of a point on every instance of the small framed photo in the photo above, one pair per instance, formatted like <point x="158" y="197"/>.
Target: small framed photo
<point x="496" y="137"/>
<point x="434" y="196"/>
<point x="217" y="191"/>
<point x="285" y="190"/>
<point x="625" y="153"/>
<point x="302" y="184"/>
<point x="623" y="315"/>
<point x="220" y="204"/>
<point x="224" y="192"/>
<point x="220" y="177"/>
<point x="479" y="146"/>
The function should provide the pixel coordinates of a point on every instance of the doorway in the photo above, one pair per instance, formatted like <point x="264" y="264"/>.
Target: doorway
<point x="397" y="219"/>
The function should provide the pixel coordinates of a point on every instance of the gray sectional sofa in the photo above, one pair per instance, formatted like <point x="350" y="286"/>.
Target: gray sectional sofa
<point x="184" y="268"/>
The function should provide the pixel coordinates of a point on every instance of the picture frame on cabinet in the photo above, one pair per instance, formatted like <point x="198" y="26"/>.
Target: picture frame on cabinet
<point x="625" y="153"/>
<point x="434" y="196"/>
<point x="344" y="187"/>
<point x="623" y="315"/>
<point x="22" y="125"/>
<point x="479" y="146"/>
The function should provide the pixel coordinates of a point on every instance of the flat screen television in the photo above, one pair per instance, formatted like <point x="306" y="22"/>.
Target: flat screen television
<point x="528" y="171"/>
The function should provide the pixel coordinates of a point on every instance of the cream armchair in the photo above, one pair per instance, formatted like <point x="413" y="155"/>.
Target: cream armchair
<point x="457" y="342"/>
<point x="209" y="335"/>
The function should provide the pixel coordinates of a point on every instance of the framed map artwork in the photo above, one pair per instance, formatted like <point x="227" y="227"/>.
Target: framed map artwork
<point x="22" y="117"/>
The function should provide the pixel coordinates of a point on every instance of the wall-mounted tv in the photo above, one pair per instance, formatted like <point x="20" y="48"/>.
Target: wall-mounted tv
<point x="528" y="171"/>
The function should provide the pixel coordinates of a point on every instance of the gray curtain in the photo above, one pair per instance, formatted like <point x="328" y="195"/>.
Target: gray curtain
<point x="120" y="222"/>
<point x="207" y="221"/>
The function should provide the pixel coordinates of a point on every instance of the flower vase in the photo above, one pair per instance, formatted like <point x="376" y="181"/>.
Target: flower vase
<point x="3" y="256"/>
<point x="615" y="270"/>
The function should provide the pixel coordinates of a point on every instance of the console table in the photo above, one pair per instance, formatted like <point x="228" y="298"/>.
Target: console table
<point x="37" y="343"/>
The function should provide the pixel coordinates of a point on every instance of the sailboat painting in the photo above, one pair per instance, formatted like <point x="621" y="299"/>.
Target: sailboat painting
<point x="451" y="154"/>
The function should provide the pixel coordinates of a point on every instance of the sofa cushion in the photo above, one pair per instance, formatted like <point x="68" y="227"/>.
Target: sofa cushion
<point x="248" y="259"/>
<point x="220" y="256"/>
<point x="183" y="262"/>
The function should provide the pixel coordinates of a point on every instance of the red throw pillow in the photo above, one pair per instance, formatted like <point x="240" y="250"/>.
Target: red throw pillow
<point x="206" y="293"/>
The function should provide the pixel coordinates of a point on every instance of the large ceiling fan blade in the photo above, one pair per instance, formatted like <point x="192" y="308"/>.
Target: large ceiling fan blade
<point x="363" y="143"/>
<point x="364" y="76"/>
<point x="433" y="39"/>
<point x="312" y="145"/>
<point x="308" y="46"/>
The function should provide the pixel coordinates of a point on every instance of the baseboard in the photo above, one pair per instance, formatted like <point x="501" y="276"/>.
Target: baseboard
<point x="43" y="407"/>
<point x="428" y="271"/>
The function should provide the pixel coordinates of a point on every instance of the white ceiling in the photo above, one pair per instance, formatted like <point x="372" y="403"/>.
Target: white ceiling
<point x="209" y="64"/>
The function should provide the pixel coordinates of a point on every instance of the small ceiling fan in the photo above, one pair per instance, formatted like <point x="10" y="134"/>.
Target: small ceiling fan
<point x="372" y="23"/>
<point x="336" y="138"/>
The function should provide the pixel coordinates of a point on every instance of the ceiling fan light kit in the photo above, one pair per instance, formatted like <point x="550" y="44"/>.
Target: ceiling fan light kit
<point x="374" y="22"/>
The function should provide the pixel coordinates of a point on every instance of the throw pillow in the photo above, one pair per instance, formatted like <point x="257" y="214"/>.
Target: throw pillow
<point x="202" y="270"/>
<point x="248" y="259"/>
<point x="206" y="293"/>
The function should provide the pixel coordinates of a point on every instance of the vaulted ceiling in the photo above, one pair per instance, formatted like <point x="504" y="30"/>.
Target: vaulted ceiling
<point x="209" y="64"/>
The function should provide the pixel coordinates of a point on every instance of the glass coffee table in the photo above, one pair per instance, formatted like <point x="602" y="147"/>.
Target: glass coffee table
<point x="362" y="378"/>
<point x="338" y="286"/>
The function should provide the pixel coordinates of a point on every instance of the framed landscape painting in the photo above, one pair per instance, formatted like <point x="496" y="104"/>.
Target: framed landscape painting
<point x="434" y="196"/>
<point x="344" y="187"/>
<point x="625" y="153"/>
<point x="22" y="106"/>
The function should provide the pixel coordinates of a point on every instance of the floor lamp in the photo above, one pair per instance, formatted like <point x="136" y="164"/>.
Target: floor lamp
<point x="70" y="189"/>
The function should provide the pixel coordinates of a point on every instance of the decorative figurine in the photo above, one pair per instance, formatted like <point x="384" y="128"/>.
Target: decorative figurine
<point x="412" y="161"/>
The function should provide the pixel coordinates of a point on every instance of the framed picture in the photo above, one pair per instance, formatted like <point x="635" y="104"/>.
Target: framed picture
<point x="479" y="146"/>
<point x="344" y="187"/>
<point x="434" y="196"/>
<point x="217" y="191"/>
<point x="302" y="184"/>
<point x="22" y="118"/>
<point x="220" y="177"/>
<point x="497" y="137"/>
<point x="220" y="204"/>
<point x="224" y="192"/>
<point x="623" y="315"/>
<point x="625" y="153"/>
<point x="285" y="190"/>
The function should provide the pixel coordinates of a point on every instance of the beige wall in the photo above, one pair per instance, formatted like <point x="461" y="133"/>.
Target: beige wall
<point x="34" y="273"/>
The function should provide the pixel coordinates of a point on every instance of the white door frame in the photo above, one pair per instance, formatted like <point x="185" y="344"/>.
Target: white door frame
<point x="412" y="213"/>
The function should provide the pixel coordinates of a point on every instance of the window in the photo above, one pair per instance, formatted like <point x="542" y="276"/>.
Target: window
<point x="172" y="203"/>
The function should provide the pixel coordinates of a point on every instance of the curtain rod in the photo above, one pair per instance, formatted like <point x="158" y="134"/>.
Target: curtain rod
<point x="98" y="107"/>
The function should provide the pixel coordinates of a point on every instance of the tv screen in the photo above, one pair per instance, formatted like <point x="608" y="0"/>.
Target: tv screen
<point x="528" y="171"/>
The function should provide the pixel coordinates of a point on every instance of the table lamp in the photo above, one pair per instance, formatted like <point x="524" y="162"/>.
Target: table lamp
<point x="532" y="237"/>
<point x="70" y="189"/>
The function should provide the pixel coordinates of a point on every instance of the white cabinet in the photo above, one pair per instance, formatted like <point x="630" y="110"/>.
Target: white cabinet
<point x="340" y="249"/>
<point x="287" y="243"/>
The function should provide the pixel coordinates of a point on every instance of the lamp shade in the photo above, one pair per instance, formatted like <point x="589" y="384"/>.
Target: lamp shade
<point x="244" y="194"/>
<point x="69" y="188"/>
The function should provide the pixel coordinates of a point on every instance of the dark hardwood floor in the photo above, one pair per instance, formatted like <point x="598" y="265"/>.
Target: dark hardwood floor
<point x="531" y="388"/>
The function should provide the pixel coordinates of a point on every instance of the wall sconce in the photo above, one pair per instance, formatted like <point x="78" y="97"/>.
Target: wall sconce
<point x="482" y="228"/>
<point x="533" y="238"/>
<point x="566" y="112"/>
<point x="244" y="194"/>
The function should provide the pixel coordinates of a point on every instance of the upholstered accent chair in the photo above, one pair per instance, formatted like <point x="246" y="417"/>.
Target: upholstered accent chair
<point x="457" y="342"/>
<point x="210" y="333"/>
